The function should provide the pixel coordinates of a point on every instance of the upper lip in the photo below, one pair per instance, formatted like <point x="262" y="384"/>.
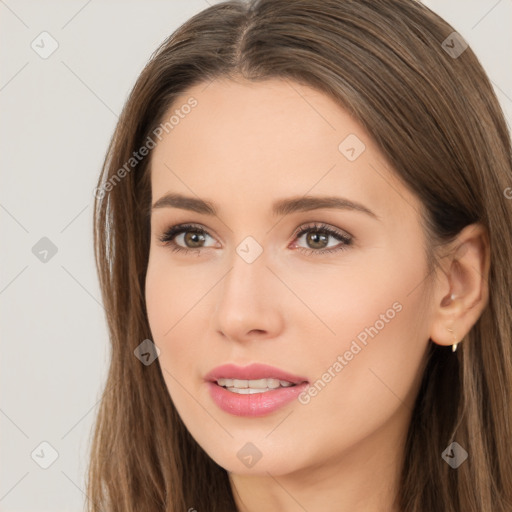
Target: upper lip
<point x="253" y="371"/>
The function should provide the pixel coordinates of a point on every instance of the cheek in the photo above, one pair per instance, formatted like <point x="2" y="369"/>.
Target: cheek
<point x="367" y="377"/>
<point x="373" y="361"/>
<point x="174" y="301"/>
<point x="334" y="303"/>
<point x="173" y="309"/>
<point x="171" y="291"/>
<point x="158" y="294"/>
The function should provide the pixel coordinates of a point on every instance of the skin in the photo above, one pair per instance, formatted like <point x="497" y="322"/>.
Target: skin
<point x="242" y="147"/>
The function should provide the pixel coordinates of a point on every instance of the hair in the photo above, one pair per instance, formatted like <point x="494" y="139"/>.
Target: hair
<point x="439" y="124"/>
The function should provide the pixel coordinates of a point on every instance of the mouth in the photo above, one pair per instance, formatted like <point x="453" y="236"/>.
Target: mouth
<point x="253" y="390"/>
<point x="254" y="378"/>
<point x="250" y="387"/>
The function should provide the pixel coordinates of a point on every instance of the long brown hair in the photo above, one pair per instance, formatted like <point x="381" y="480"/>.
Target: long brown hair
<point x="435" y="117"/>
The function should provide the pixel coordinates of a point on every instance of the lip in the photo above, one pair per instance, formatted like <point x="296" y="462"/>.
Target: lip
<point x="257" y="404"/>
<point x="251" y="372"/>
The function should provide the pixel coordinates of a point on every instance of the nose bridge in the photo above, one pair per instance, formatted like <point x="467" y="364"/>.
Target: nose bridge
<point x="246" y="300"/>
<point x="245" y="282"/>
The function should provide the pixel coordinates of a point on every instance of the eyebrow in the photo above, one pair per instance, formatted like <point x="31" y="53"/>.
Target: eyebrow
<point x="280" y="207"/>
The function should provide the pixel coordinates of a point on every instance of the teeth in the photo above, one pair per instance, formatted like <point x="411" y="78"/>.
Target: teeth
<point x="253" y="386"/>
<point x="247" y="391"/>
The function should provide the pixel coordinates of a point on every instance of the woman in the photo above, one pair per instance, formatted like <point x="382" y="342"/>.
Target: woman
<point x="303" y="238"/>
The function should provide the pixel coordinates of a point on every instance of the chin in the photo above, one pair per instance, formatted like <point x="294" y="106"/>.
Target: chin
<point x="276" y="464"/>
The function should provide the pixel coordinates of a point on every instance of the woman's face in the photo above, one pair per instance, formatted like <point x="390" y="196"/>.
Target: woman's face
<point x="282" y="276"/>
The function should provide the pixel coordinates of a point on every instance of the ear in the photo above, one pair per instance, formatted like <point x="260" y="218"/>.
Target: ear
<point x="464" y="276"/>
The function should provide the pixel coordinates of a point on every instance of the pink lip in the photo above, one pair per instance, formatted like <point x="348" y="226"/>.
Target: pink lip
<point x="251" y="372"/>
<point x="257" y="404"/>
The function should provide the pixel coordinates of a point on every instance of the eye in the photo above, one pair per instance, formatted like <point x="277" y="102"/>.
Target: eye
<point x="190" y="235"/>
<point x="317" y="237"/>
<point x="191" y="238"/>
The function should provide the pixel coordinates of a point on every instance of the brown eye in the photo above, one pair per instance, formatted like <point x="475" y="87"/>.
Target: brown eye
<point x="317" y="238"/>
<point x="193" y="239"/>
<point x="185" y="237"/>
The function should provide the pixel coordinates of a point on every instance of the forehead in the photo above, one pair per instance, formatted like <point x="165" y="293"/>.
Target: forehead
<point x="251" y="143"/>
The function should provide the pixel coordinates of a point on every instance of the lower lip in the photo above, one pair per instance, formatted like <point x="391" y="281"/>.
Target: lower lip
<point x="256" y="404"/>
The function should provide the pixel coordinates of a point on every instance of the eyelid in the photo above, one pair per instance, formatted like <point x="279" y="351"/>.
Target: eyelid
<point x="321" y="226"/>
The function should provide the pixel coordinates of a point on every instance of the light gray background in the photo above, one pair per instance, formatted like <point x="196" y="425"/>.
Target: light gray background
<point x="57" y="116"/>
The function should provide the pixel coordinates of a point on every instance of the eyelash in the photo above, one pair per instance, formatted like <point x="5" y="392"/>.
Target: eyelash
<point x="168" y="237"/>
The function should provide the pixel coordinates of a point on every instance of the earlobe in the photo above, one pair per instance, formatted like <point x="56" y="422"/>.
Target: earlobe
<point x="466" y="279"/>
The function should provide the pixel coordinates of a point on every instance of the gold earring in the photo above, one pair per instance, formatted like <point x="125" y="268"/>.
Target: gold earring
<point x="454" y="346"/>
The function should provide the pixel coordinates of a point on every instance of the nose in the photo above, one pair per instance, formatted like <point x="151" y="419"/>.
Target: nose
<point x="248" y="305"/>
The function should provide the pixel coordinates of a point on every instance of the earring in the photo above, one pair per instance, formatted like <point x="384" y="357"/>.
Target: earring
<point x="454" y="346"/>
